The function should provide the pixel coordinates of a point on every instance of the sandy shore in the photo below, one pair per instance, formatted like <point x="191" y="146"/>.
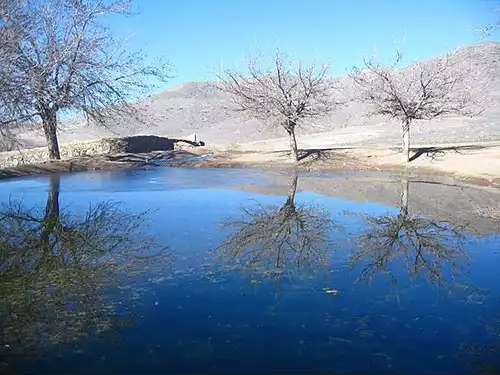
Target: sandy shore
<point x="477" y="163"/>
<point x="448" y="183"/>
<point x="443" y="199"/>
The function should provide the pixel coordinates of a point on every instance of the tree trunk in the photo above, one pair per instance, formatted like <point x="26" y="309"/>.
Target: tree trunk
<point x="293" y="188"/>
<point x="50" y="221"/>
<point x="294" y="152"/>
<point x="406" y="141"/>
<point x="288" y="208"/>
<point x="49" y="122"/>
<point x="405" y="187"/>
<point x="52" y="206"/>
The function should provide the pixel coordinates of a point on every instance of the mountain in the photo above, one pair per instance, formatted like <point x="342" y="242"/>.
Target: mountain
<point x="197" y="107"/>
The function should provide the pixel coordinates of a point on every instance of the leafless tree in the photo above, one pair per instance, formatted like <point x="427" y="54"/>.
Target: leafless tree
<point x="421" y="246"/>
<point x="58" y="57"/>
<point x="282" y="93"/>
<point x="55" y="268"/>
<point x="486" y="31"/>
<point x="422" y="91"/>
<point x="273" y="240"/>
<point x="9" y="140"/>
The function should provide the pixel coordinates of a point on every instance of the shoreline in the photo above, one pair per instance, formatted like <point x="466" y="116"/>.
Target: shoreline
<point x="94" y="163"/>
<point x="337" y="175"/>
<point x="476" y="164"/>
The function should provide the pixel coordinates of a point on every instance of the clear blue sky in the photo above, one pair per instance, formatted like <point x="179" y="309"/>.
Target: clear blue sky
<point x="198" y="35"/>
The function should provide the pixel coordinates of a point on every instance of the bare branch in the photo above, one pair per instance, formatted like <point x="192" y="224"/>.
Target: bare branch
<point x="280" y="92"/>
<point x="9" y="141"/>
<point x="57" y="56"/>
<point x="422" y="91"/>
<point x="58" y="263"/>
<point x="410" y="243"/>
<point x="486" y="31"/>
<point x="274" y="240"/>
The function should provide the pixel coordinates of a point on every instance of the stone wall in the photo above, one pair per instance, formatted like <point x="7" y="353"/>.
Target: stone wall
<point x="137" y="144"/>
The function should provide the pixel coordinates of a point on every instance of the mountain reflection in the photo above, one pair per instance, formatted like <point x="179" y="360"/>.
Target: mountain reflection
<point x="55" y="269"/>
<point x="418" y="246"/>
<point x="273" y="239"/>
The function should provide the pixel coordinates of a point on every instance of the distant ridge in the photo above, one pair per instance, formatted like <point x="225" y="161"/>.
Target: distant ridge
<point x="196" y="107"/>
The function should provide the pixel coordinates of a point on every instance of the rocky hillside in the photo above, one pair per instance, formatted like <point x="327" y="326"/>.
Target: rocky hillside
<point x="198" y="108"/>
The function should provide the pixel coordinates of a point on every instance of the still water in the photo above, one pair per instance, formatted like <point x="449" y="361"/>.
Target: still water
<point x="172" y="270"/>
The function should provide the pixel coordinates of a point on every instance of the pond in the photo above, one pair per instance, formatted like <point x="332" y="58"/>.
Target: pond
<point x="176" y="270"/>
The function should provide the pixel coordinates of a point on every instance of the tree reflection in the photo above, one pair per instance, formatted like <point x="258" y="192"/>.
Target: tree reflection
<point x="56" y="268"/>
<point x="417" y="245"/>
<point x="272" y="239"/>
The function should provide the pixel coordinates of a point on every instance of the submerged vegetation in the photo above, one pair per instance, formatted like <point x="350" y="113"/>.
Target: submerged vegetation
<point x="72" y="276"/>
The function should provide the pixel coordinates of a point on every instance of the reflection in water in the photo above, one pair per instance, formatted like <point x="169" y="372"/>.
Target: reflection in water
<point x="55" y="267"/>
<point x="68" y="273"/>
<point x="407" y="245"/>
<point x="417" y="245"/>
<point x="272" y="239"/>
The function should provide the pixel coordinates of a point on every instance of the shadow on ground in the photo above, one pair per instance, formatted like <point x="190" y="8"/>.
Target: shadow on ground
<point x="313" y="153"/>
<point x="318" y="153"/>
<point x="432" y="152"/>
<point x="435" y="152"/>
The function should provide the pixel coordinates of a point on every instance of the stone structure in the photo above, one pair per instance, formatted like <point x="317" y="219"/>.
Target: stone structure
<point x="139" y="144"/>
<point x="135" y="144"/>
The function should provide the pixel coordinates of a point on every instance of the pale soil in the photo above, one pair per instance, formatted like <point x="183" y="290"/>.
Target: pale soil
<point x="474" y="162"/>
<point x="457" y="183"/>
<point x="443" y="179"/>
<point x="477" y="163"/>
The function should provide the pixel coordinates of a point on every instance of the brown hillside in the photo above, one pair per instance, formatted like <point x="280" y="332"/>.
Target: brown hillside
<point x="196" y="107"/>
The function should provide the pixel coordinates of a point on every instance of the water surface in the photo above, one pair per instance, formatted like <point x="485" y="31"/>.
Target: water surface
<point x="177" y="270"/>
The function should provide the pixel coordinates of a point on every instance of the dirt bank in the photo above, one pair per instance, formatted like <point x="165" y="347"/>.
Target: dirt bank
<point x="477" y="163"/>
<point x="433" y="189"/>
<point x="96" y="162"/>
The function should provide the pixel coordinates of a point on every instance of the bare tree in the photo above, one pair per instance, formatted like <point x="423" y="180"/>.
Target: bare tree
<point x="58" y="57"/>
<point x="9" y="140"/>
<point x="285" y="93"/>
<point x="56" y="268"/>
<point x="421" y="246"/>
<point x="487" y="30"/>
<point x="422" y="91"/>
<point x="274" y="240"/>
